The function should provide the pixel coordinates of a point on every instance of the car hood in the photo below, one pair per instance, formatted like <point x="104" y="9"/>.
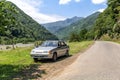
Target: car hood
<point x="44" y="48"/>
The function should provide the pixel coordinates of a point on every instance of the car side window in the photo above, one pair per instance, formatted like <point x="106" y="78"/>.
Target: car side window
<point x="63" y="44"/>
<point x="59" y="44"/>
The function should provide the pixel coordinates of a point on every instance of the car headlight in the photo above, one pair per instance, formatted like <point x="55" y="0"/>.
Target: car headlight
<point x="47" y="52"/>
<point x="32" y="51"/>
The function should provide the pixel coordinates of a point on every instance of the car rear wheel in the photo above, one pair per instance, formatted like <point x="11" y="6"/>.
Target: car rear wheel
<point x="35" y="59"/>
<point x="54" y="58"/>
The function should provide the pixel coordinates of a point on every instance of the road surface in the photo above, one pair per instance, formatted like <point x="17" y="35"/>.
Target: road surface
<point x="100" y="62"/>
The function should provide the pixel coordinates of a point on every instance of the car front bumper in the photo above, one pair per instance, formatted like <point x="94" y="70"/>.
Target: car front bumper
<point x="42" y="56"/>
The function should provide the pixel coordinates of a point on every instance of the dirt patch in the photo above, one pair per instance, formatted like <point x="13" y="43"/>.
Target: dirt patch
<point x="55" y="68"/>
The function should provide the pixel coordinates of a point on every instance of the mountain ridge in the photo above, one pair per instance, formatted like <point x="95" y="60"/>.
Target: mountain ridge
<point x="77" y="26"/>
<point x="54" y="26"/>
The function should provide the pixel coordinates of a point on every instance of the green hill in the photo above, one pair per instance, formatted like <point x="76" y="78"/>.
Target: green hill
<point x="85" y="23"/>
<point x="17" y="26"/>
<point x="108" y="23"/>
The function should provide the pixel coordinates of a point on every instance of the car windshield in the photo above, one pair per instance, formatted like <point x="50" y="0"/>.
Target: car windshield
<point x="49" y="44"/>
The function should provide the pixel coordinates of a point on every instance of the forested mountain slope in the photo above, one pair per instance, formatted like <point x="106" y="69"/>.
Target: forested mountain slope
<point x="16" y="26"/>
<point x="106" y="27"/>
<point x="108" y="23"/>
<point x="85" y="23"/>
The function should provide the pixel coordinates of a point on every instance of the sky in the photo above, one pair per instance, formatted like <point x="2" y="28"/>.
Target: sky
<point x="45" y="11"/>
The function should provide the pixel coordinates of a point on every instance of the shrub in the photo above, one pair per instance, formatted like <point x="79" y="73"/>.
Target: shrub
<point x="8" y="47"/>
<point x="106" y="37"/>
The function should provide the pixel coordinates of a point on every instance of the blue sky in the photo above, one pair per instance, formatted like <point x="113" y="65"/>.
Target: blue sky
<point x="44" y="11"/>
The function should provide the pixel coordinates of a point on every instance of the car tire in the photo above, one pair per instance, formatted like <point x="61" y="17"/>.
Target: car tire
<point x="54" y="58"/>
<point x="35" y="59"/>
<point x="67" y="53"/>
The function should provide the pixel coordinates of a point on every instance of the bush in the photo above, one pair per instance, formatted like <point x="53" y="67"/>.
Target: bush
<point x="8" y="47"/>
<point x="37" y="43"/>
<point x="106" y="37"/>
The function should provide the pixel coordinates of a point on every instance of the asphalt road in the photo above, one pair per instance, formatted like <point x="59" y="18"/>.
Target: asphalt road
<point x="100" y="62"/>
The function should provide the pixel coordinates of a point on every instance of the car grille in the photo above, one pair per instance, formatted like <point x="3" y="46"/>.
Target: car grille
<point x="36" y="55"/>
<point x="38" y="52"/>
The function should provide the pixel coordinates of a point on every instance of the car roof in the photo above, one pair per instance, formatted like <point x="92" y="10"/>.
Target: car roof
<point x="55" y="40"/>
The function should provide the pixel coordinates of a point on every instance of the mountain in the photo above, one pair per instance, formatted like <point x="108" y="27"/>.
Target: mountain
<point x="87" y="23"/>
<point x="55" y="26"/>
<point x="108" y="23"/>
<point x="17" y="26"/>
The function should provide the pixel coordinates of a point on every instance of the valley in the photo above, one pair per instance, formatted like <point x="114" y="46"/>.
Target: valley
<point x="91" y="39"/>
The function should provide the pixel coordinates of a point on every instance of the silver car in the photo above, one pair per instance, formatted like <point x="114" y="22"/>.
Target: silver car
<point x="51" y="49"/>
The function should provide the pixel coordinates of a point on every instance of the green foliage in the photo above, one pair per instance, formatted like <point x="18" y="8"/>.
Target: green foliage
<point x="16" y="26"/>
<point x="108" y="22"/>
<point x="76" y="37"/>
<point x="105" y="37"/>
<point x="37" y="43"/>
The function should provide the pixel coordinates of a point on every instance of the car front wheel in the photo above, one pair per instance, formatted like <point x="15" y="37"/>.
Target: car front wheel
<point x="35" y="59"/>
<point x="54" y="58"/>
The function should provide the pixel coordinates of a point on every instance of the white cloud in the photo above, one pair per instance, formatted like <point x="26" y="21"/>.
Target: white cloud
<point x="77" y="0"/>
<point x="62" y="2"/>
<point x="98" y="1"/>
<point x="32" y="8"/>
<point x="101" y="10"/>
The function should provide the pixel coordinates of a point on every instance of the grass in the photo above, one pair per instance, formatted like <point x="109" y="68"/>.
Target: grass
<point x="12" y="61"/>
<point x="76" y="47"/>
<point x="117" y="41"/>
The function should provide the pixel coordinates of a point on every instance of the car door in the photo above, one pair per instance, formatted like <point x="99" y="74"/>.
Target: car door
<point x="64" y="48"/>
<point x="59" y="49"/>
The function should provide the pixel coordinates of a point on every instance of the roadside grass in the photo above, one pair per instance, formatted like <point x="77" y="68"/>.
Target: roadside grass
<point x="117" y="41"/>
<point x="12" y="61"/>
<point x="76" y="47"/>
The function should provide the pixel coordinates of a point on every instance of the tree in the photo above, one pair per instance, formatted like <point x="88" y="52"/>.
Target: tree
<point x="7" y="19"/>
<point x="107" y="22"/>
<point x="82" y="34"/>
<point x="74" y="37"/>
